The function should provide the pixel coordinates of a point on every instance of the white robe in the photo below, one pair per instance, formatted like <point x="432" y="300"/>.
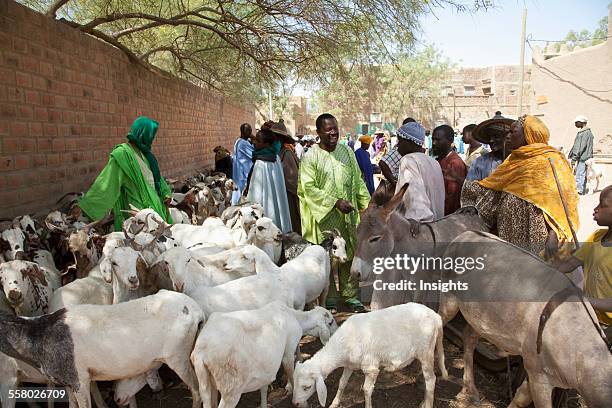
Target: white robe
<point x="267" y="187"/>
<point x="424" y="198"/>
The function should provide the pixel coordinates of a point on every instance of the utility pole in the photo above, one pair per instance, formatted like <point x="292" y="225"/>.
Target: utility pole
<point x="519" y="105"/>
<point x="270" y="103"/>
<point x="454" y="111"/>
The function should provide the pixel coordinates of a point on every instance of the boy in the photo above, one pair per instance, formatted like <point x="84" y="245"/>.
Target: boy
<point x="595" y="256"/>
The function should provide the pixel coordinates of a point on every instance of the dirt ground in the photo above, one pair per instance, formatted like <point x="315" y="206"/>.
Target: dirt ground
<point x="404" y="388"/>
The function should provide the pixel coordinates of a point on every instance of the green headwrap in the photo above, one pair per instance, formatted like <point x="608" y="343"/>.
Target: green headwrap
<point x="142" y="134"/>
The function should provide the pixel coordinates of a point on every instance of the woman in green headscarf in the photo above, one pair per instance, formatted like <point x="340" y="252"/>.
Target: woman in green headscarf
<point x="131" y="176"/>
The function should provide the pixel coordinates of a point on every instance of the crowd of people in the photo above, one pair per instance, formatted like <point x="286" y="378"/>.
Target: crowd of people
<point x="502" y="168"/>
<point x="525" y="190"/>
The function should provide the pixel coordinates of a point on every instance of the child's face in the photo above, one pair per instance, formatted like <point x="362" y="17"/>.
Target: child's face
<point x="603" y="212"/>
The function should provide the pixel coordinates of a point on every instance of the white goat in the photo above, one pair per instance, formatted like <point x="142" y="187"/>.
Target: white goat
<point x="212" y="233"/>
<point x="32" y="299"/>
<point x="187" y="272"/>
<point x="27" y="225"/>
<point x="594" y="175"/>
<point x="12" y="241"/>
<point x="28" y="286"/>
<point x="302" y="280"/>
<point x="44" y="258"/>
<point x="184" y="234"/>
<point x="390" y="338"/>
<point x="72" y="346"/>
<point x="242" y="215"/>
<point x="125" y="390"/>
<point x="242" y="351"/>
<point x="13" y="373"/>
<point x="115" y="280"/>
<point x="178" y="216"/>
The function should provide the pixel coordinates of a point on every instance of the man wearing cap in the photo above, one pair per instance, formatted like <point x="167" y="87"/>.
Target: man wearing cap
<point x="424" y="198"/>
<point x="581" y="152"/>
<point x="363" y="160"/>
<point x="492" y="132"/>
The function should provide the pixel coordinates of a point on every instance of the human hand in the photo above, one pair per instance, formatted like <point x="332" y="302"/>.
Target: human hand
<point x="415" y="227"/>
<point x="552" y="245"/>
<point x="344" y="206"/>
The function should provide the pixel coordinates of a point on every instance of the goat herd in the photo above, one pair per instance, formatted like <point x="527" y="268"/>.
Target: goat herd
<point x="82" y="304"/>
<point x="205" y="296"/>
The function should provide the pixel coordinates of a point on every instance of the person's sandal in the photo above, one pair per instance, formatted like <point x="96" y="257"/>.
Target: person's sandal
<point x="332" y="309"/>
<point x="358" y="309"/>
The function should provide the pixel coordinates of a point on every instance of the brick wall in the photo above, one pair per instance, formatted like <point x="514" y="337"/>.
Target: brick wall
<point x="67" y="98"/>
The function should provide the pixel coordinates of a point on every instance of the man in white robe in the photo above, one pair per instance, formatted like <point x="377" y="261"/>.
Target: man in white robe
<point x="424" y="198"/>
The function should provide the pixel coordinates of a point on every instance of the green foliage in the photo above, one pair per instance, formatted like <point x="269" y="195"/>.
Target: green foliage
<point x="242" y="46"/>
<point x="585" y="38"/>
<point x="410" y="84"/>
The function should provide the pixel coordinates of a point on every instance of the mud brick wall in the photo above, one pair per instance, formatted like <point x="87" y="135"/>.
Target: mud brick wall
<point x="67" y="98"/>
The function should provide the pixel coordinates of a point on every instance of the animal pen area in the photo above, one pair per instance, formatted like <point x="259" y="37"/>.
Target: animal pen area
<point x="66" y="99"/>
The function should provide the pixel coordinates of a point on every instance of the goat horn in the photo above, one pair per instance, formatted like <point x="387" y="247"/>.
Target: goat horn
<point x="136" y="246"/>
<point x="127" y="236"/>
<point x="101" y="221"/>
<point x="337" y="232"/>
<point x="134" y="208"/>
<point x="53" y="227"/>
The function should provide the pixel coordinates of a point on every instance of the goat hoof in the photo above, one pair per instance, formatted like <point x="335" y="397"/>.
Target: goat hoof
<point x="472" y="398"/>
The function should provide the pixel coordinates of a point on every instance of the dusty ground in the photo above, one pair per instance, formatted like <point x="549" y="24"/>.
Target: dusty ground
<point x="404" y="388"/>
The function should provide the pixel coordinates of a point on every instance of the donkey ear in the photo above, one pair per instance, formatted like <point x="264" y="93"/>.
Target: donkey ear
<point x="395" y="200"/>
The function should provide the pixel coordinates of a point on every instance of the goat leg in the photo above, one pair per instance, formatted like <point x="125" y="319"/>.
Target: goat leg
<point x="97" y="397"/>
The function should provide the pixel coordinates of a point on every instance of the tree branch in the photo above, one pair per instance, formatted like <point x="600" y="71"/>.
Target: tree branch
<point x="52" y="12"/>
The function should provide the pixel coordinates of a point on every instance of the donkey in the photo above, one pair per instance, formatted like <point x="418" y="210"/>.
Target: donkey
<point x="385" y="233"/>
<point x="511" y="302"/>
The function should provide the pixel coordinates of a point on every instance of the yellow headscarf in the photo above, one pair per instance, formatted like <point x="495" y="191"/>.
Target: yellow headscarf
<point x="527" y="174"/>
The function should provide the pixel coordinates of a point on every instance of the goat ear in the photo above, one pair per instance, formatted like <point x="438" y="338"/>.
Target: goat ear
<point x="106" y="270"/>
<point x="324" y="334"/>
<point x="144" y="261"/>
<point x="4" y="245"/>
<point x="321" y="390"/>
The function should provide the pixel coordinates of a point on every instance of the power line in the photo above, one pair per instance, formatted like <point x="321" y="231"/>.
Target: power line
<point x="577" y="40"/>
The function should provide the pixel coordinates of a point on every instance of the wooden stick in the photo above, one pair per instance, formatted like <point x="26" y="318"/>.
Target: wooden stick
<point x="569" y="221"/>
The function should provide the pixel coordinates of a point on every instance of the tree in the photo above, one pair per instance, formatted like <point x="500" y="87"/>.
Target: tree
<point x="411" y="85"/>
<point x="237" y="45"/>
<point x="585" y="38"/>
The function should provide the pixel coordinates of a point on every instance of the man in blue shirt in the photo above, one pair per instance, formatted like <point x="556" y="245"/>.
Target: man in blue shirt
<point x="492" y="132"/>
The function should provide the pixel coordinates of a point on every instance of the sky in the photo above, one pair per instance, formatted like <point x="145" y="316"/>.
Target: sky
<point x="493" y="37"/>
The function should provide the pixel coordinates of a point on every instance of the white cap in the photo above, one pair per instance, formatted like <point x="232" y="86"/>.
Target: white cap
<point x="581" y="118"/>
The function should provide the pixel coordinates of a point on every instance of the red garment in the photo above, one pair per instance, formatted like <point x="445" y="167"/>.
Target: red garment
<point x="454" y="171"/>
